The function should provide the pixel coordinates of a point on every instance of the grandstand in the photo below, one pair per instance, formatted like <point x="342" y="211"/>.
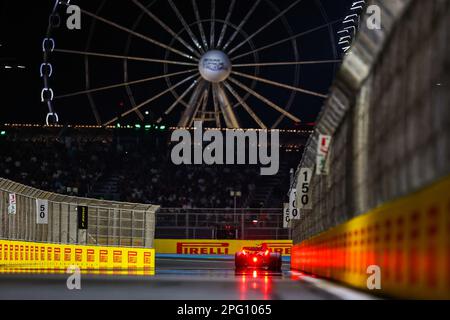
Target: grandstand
<point x="132" y="164"/>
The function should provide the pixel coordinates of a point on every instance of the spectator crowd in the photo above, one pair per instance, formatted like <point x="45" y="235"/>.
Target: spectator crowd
<point x="140" y="166"/>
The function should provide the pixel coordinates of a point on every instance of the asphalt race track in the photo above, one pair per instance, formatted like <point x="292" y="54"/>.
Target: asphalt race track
<point x="178" y="280"/>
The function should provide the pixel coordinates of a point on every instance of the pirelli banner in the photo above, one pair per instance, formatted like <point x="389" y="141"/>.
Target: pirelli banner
<point x="26" y="257"/>
<point x="217" y="247"/>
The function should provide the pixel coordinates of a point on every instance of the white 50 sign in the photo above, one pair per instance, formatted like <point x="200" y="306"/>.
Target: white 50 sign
<point x="286" y="216"/>
<point x="41" y="211"/>
<point x="304" y="189"/>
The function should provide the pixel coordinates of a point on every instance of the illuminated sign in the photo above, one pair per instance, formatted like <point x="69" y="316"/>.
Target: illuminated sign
<point x="203" y="248"/>
<point x="214" y="64"/>
<point x="279" y="247"/>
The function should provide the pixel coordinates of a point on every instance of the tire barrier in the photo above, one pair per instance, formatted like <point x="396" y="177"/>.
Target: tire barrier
<point x="407" y="239"/>
<point x="32" y="257"/>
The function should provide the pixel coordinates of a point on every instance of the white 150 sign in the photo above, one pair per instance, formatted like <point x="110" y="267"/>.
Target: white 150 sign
<point x="304" y="189"/>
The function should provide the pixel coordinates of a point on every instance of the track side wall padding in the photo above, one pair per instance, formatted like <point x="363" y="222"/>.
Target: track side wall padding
<point x="32" y="257"/>
<point x="409" y="239"/>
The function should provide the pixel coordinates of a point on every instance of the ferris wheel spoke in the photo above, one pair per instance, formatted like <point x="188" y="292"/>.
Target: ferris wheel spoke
<point x="203" y="102"/>
<point x="272" y="64"/>
<point x="124" y="84"/>
<point x="245" y="106"/>
<point x="227" y="19"/>
<point x="189" y="114"/>
<point x="281" y="85"/>
<point x="180" y="98"/>
<point x="114" y="56"/>
<point x="265" y="100"/>
<point x="136" y="34"/>
<point x="231" y="120"/>
<point x="241" y="25"/>
<point x="186" y="26"/>
<point x="296" y="36"/>
<point x="166" y="27"/>
<point x="216" y="107"/>
<point x="133" y="102"/>
<point x="213" y="24"/>
<point x="197" y="108"/>
<point x="200" y="104"/>
<point x="282" y="13"/>
<point x="143" y="104"/>
<point x="200" y="25"/>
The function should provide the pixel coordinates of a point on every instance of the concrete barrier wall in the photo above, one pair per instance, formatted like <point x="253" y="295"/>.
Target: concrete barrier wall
<point x="32" y="257"/>
<point x="385" y="202"/>
<point x="388" y="114"/>
<point x="407" y="240"/>
<point x="108" y="223"/>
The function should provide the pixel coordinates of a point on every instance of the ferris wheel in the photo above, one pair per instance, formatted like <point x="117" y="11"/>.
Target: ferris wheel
<point x="223" y="62"/>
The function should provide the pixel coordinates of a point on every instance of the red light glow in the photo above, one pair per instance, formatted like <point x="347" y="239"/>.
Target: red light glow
<point x="257" y="283"/>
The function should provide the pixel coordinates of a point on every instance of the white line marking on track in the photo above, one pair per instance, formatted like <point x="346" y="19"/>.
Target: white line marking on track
<point x="335" y="289"/>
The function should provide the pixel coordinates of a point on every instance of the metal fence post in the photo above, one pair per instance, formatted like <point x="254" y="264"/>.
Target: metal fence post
<point x="242" y="226"/>
<point x="120" y="227"/>
<point x="60" y="223"/>
<point x="3" y="211"/>
<point x="98" y="225"/>
<point x="187" y="225"/>
<point x="107" y="227"/>
<point x="132" y="228"/>
<point x="10" y="227"/>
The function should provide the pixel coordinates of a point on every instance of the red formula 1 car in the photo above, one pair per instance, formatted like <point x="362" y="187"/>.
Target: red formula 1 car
<point x="258" y="258"/>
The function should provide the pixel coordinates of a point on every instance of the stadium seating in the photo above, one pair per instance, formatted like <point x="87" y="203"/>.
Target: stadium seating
<point x="133" y="167"/>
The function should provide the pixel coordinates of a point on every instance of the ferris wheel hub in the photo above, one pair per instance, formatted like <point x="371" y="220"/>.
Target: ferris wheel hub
<point x="215" y="66"/>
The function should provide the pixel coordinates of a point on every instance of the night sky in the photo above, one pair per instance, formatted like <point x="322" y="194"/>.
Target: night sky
<point x="23" y="28"/>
